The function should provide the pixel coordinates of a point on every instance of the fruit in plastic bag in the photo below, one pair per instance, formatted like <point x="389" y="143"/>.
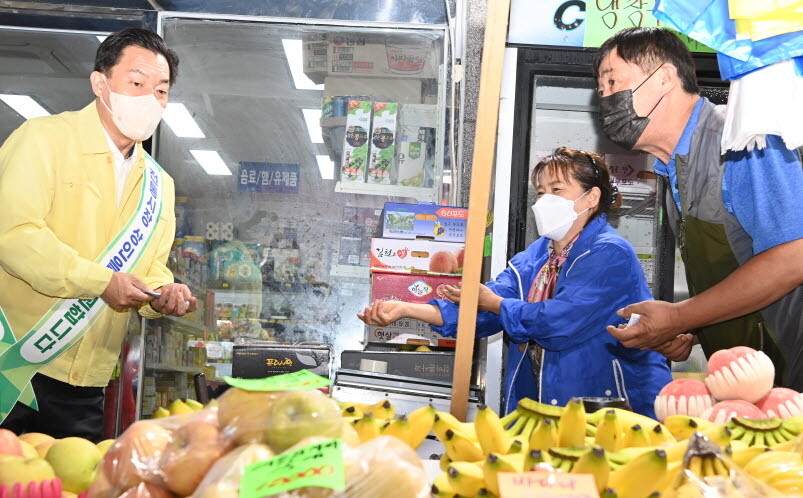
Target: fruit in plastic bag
<point x="223" y="479"/>
<point x="146" y="490"/>
<point x="134" y="457"/>
<point x="192" y="451"/>
<point x="244" y="414"/>
<point x="385" y="467"/>
<point x="297" y="415"/>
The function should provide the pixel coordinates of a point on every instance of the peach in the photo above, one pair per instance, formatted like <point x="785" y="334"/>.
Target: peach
<point x="722" y="412"/>
<point x="781" y="402"/>
<point x="194" y="448"/>
<point x="9" y="444"/>
<point x="683" y="397"/>
<point x="35" y="438"/>
<point x="740" y="373"/>
<point x="460" y="255"/>
<point x="443" y="262"/>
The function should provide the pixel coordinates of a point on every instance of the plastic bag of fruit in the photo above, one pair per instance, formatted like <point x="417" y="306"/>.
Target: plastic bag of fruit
<point x="223" y="479"/>
<point x="162" y="458"/>
<point x="707" y="471"/>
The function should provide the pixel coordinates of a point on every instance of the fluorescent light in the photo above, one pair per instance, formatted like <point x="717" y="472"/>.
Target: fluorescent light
<point x="313" y="119"/>
<point x="293" y="49"/>
<point x="211" y="162"/>
<point x="101" y="37"/>
<point x="326" y="167"/>
<point x="26" y="106"/>
<point x="179" y="120"/>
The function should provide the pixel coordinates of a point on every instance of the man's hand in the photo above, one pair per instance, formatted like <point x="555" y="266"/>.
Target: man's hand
<point x="679" y="348"/>
<point x="174" y="299"/>
<point x="382" y="313"/>
<point x="125" y="291"/>
<point x="660" y="323"/>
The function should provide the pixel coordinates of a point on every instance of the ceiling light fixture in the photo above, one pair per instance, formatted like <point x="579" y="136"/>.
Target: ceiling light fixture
<point x="24" y="105"/>
<point x="326" y="167"/>
<point x="211" y="162"/>
<point x="313" y="119"/>
<point x="293" y="50"/>
<point x="179" y="120"/>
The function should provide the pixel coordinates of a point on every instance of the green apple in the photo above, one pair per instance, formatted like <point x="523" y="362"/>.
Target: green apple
<point x="75" y="461"/>
<point x="15" y="469"/>
<point x="297" y="415"/>
<point x="104" y="446"/>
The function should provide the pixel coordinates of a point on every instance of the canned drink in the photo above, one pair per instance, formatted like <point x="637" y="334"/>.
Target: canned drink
<point x="327" y="108"/>
<point x="340" y="106"/>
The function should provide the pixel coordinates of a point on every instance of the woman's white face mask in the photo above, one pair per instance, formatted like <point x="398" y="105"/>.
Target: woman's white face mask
<point x="555" y="215"/>
<point x="135" y="117"/>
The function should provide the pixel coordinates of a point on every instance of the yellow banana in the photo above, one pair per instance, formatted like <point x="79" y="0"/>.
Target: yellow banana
<point x="594" y="462"/>
<point x="641" y="476"/>
<point x="571" y="428"/>
<point x="493" y="465"/>
<point x="441" y="487"/>
<point x="444" y="421"/>
<point x="533" y="458"/>
<point x="518" y="426"/>
<point x="695" y="466"/>
<point x="382" y="410"/>
<point x="720" y="469"/>
<point x="672" y="472"/>
<point x="544" y="436"/>
<point x="490" y="432"/>
<point x="367" y="428"/>
<point x="626" y="417"/>
<point x="528" y="429"/>
<point x="659" y="436"/>
<point x="743" y="456"/>
<point x="465" y="478"/>
<point x="444" y="461"/>
<point x="399" y="428"/>
<point x="609" y="432"/>
<point x="683" y="426"/>
<point x="460" y="448"/>
<point x="354" y="409"/>
<point x="421" y="421"/>
<point x="770" y="463"/>
<point x="635" y="437"/>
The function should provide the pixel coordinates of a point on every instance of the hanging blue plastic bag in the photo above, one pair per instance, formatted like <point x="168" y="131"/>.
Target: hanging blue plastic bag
<point x="708" y="22"/>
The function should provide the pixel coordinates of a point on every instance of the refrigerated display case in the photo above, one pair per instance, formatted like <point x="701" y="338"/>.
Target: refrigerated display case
<point x="273" y="225"/>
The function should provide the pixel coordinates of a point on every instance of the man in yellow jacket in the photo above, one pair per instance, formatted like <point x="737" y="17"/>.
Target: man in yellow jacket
<point x="71" y="185"/>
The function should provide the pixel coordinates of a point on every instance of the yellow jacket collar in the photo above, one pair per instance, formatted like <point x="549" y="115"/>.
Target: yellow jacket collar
<point x="91" y="132"/>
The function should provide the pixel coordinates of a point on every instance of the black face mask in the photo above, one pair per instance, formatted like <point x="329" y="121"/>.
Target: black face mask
<point x="618" y="117"/>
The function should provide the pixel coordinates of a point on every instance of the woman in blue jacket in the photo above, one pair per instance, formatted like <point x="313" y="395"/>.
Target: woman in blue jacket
<point x="555" y="298"/>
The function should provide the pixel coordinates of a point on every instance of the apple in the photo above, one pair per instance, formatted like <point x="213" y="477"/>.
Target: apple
<point x="135" y="454"/>
<point x="223" y="479"/>
<point x="243" y="414"/>
<point x="297" y="415"/>
<point x="16" y="469"/>
<point x="75" y="461"/>
<point x="443" y="262"/>
<point x="43" y="447"/>
<point x="104" y="446"/>
<point x="35" y="438"/>
<point x="9" y="444"/>
<point x="28" y="451"/>
<point x="193" y="449"/>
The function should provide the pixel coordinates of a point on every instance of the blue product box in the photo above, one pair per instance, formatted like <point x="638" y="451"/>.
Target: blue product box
<point x="425" y="220"/>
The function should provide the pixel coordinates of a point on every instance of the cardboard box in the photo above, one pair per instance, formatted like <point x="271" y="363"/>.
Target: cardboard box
<point x="417" y="256"/>
<point x="259" y="360"/>
<point x="383" y="143"/>
<point x="435" y="365"/>
<point x="355" y="146"/>
<point x="424" y="220"/>
<point x="409" y="288"/>
<point x="416" y="145"/>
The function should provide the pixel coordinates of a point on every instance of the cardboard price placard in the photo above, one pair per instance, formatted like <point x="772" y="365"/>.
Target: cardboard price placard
<point x="319" y="464"/>
<point x="303" y="380"/>
<point x="546" y="485"/>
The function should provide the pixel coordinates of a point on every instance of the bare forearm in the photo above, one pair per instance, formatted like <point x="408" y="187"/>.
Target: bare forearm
<point x="425" y="312"/>
<point x="761" y="281"/>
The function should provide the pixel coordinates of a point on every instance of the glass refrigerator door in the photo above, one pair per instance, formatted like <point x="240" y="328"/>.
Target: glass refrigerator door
<point x="564" y="113"/>
<point x="281" y="177"/>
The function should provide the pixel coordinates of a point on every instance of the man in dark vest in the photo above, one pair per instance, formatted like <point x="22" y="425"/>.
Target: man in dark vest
<point x="737" y="217"/>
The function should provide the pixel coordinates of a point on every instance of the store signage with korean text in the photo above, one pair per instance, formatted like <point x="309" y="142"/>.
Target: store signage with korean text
<point x="273" y="178"/>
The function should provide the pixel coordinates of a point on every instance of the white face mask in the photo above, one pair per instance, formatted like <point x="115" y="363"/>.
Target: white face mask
<point x="554" y="215"/>
<point x="135" y="117"/>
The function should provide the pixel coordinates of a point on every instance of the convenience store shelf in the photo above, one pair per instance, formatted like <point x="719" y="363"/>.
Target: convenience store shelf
<point x="422" y="194"/>
<point x="186" y="323"/>
<point x="161" y="367"/>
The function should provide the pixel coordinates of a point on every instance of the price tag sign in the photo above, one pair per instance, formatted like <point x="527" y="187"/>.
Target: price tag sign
<point x="303" y="380"/>
<point x="319" y="464"/>
<point x="546" y="485"/>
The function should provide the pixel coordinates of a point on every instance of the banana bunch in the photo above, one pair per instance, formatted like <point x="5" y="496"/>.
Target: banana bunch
<point x="381" y="410"/>
<point x="178" y="407"/>
<point x="411" y="429"/>
<point x="782" y="470"/>
<point x="770" y="432"/>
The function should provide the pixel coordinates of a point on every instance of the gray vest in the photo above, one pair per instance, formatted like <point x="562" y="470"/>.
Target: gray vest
<point x="714" y="244"/>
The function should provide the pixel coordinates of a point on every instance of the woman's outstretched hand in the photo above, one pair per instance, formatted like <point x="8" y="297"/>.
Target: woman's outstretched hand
<point x="487" y="300"/>
<point x="382" y="313"/>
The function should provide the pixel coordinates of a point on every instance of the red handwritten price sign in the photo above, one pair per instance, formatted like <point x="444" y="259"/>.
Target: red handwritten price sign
<point x="546" y="485"/>
<point x="319" y="464"/>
